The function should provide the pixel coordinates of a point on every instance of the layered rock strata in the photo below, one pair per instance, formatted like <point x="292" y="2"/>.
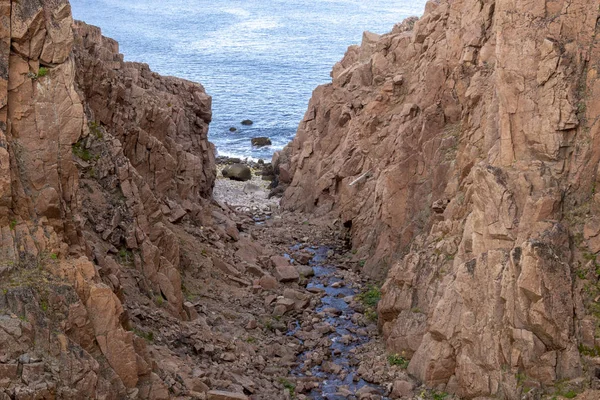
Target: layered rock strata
<point x="461" y="149"/>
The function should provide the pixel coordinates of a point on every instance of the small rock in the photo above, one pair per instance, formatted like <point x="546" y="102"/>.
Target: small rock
<point x="303" y="258"/>
<point x="286" y="273"/>
<point x="402" y="389"/>
<point x="261" y="141"/>
<point x="190" y="310"/>
<point x="247" y="122"/>
<point x="305" y="270"/>
<point x="251" y="188"/>
<point x="228" y="357"/>
<point x="233" y="129"/>
<point x="268" y="282"/>
<point x="252" y="324"/>
<point x="222" y="395"/>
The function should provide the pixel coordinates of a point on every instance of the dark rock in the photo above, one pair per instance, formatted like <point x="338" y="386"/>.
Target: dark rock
<point x="233" y="129"/>
<point x="238" y="172"/>
<point x="261" y="141"/>
<point x="247" y="122"/>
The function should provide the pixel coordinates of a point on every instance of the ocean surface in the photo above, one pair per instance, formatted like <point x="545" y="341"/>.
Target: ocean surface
<point x="258" y="59"/>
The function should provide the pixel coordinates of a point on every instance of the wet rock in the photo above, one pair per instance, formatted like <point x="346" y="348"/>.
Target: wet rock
<point x="305" y="271"/>
<point x="233" y="129"/>
<point x="261" y="141"/>
<point x="303" y="258"/>
<point x="247" y="122"/>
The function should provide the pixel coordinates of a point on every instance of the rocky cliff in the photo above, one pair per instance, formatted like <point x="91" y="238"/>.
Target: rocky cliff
<point x="461" y="150"/>
<point x="98" y="158"/>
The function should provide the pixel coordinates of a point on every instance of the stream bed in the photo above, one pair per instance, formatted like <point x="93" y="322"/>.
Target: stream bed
<point x="338" y="375"/>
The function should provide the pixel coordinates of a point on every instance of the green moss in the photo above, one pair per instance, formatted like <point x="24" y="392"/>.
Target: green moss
<point x="13" y="225"/>
<point x="54" y="256"/>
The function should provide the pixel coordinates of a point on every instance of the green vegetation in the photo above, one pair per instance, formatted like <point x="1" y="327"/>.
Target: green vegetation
<point x="95" y="129"/>
<point x="370" y="298"/>
<point x="362" y="263"/>
<point x="395" y="359"/>
<point x="43" y="71"/>
<point x="565" y="390"/>
<point x="81" y="152"/>
<point x="289" y="386"/>
<point x="589" y="351"/>
<point x="148" y="336"/>
<point x="44" y="305"/>
<point x="54" y="256"/>
<point x="159" y="300"/>
<point x="439" y="395"/>
<point x="125" y="256"/>
<point x="13" y="225"/>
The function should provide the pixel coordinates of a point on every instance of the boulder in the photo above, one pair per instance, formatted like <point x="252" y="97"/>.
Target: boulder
<point x="237" y="172"/>
<point x="233" y="129"/>
<point x="247" y="122"/>
<point x="261" y="141"/>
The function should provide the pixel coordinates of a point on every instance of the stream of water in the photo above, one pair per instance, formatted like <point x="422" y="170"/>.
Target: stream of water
<point x="346" y="336"/>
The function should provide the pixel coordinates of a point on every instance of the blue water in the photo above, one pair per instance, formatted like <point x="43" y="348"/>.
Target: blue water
<point x="258" y="59"/>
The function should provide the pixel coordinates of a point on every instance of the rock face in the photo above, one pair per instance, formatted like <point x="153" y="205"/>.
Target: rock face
<point x="97" y="158"/>
<point x="462" y="152"/>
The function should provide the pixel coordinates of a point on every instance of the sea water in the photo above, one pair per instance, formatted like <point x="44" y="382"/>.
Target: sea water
<point x="258" y="59"/>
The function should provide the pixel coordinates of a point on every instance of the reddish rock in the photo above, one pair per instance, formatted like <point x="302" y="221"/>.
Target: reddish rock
<point x="268" y="282"/>
<point x="222" y="395"/>
<point x="286" y="273"/>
